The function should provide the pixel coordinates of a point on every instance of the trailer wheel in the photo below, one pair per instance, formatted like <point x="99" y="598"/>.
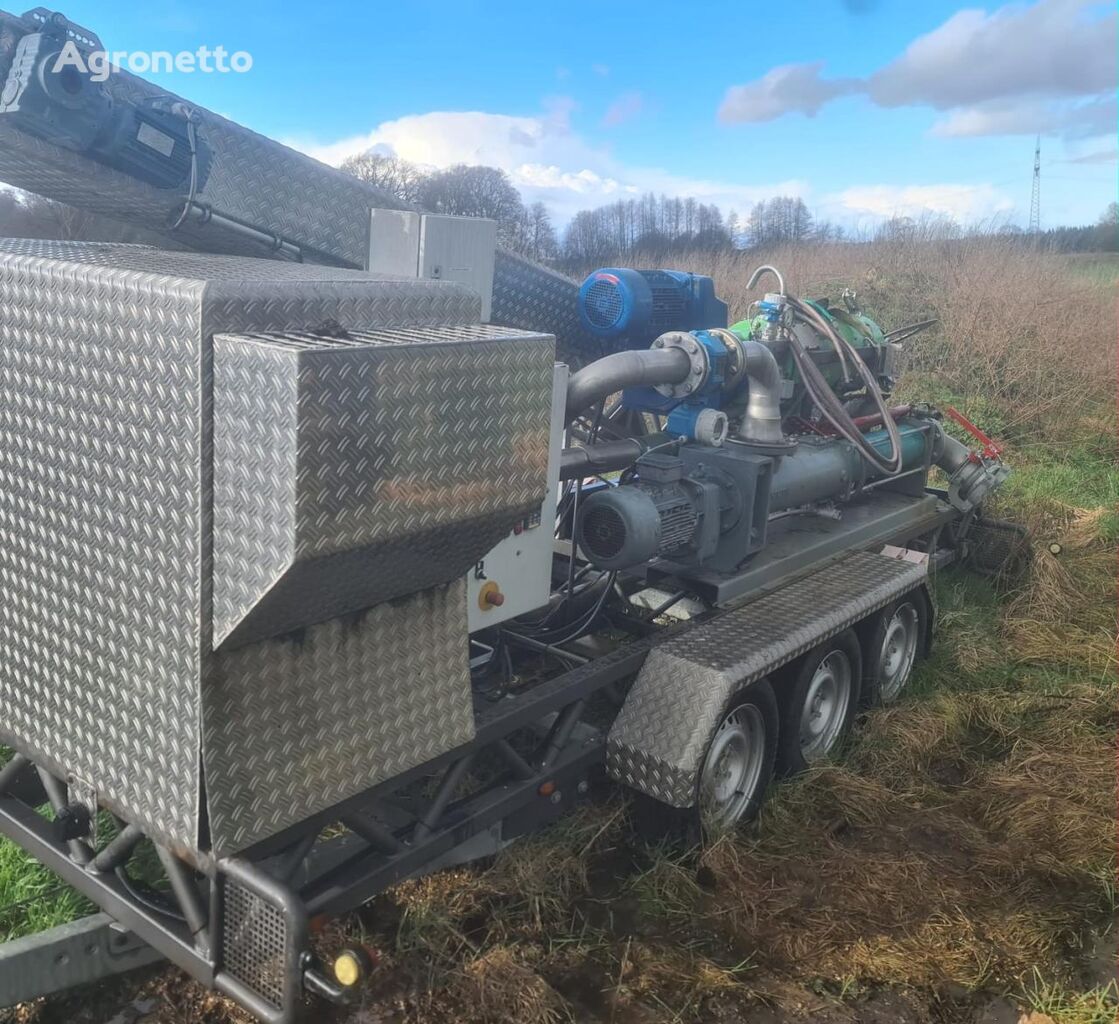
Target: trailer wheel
<point x="893" y="646"/>
<point x="736" y="771"/>
<point x="819" y="702"/>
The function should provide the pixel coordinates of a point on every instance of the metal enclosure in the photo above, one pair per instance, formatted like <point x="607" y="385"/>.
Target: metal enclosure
<point x="169" y="500"/>
<point x="435" y="246"/>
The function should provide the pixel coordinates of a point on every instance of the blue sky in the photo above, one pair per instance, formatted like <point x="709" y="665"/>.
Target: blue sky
<point x="866" y="108"/>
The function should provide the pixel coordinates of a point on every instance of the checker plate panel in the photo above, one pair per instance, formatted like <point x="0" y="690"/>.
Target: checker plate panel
<point x="657" y="742"/>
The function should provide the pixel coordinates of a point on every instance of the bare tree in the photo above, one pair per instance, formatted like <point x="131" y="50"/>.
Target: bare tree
<point x="473" y="192"/>
<point x="534" y="236"/>
<point x="398" y="177"/>
<point x="780" y="219"/>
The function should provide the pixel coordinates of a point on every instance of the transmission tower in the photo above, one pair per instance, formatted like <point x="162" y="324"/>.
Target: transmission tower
<point x="1035" y="197"/>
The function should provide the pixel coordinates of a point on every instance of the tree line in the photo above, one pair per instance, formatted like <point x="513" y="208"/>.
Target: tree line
<point x="649" y="223"/>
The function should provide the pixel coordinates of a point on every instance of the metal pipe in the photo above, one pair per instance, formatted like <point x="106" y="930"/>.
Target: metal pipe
<point x="11" y="771"/>
<point x="762" y="422"/>
<point x="609" y="455"/>
<point x="765" y="268"/>
<point x="561" y="731"/>
<point x="373" y="832"/>
<point x="118" y="850"/>
<point x="520" y="767"/>
<point x="187" y="895"/>
<point x="80" y="852"/>
<point x="606" y="376"/>
<point x="452" y="778"/>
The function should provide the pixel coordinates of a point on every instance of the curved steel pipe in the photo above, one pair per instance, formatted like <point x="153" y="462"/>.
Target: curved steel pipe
<point x="611" y="374"/>
<point x="765" y="268"/>
<point x="762" y="422"/>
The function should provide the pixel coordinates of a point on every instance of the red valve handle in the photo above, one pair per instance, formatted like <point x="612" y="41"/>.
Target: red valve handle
<point x="990" y="449"/>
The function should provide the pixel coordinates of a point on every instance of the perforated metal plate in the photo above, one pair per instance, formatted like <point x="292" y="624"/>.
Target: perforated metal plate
<point x="657" y="742"/>
<point x="254" y="943"/>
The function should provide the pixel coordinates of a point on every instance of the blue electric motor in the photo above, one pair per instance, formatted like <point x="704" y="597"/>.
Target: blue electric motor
<point x="633" y="307"/>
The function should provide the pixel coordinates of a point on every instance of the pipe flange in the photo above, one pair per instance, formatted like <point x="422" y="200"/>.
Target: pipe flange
<point x="697" y="356"/>
<point x="735" y="371"/>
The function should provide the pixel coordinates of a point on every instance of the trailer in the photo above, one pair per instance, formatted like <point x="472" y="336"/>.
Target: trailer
<point x="339" y="545"/>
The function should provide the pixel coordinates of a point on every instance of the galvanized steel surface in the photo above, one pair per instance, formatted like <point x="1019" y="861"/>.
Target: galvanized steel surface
<point x="657" y="742"/>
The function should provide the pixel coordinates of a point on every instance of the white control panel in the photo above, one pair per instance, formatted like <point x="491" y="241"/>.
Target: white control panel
<point x="516" y="576"/>
<point x="430" y="245"/>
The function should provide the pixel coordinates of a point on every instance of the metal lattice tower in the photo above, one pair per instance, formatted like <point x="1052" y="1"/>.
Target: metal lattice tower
<point x="1035" y="197"/>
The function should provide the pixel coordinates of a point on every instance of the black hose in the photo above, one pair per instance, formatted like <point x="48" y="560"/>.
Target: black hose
<point x="829" y="403"/>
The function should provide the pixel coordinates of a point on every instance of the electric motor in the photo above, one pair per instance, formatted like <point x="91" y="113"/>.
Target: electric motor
<point x="635" y="306"/>
<point x="626" y="525"/>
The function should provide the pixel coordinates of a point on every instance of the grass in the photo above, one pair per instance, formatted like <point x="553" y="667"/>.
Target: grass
<point x="31" y="897"/>
<point x="963" y="846"/>
<point x="1098" y="1005"/>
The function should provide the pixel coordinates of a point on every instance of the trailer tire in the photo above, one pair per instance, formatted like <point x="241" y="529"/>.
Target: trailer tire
<point x="897" y="639"/>
<point x="819" y="702"/>
<point x="741" y="751"/>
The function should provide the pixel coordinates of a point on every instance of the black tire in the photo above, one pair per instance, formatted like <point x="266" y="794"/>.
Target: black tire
<point x="829" y="677"/>
<point x="897" y="639"/>
<point x="656" y="822"/>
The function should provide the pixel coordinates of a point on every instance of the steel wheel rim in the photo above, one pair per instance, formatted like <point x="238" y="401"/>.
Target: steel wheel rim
<point x="733" y="768"/>
<point x="825" y="706"/>
<point x="898" y="652"/>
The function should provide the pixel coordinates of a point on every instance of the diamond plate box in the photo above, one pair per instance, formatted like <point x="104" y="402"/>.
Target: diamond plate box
<point x="236" y="501"/>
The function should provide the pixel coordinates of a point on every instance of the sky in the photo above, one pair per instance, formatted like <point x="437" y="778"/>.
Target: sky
<point x="866" y="109"/>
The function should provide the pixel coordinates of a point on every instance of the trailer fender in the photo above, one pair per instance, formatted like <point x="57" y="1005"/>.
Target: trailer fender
<point x="657" y="741"/>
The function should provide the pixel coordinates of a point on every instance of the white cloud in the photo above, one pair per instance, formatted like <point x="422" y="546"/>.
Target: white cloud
<point x="543" y="155"/>
<point x="549" y="161"/>
<point x="963" y="203"/>
<point x="1017" y="70"/>
<point x="1031" y="117"/>
<point x="1051" y="48"/>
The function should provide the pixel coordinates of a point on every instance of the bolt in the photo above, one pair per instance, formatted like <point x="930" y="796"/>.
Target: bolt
<point x="583" y="787"/>
<point x="557" y="796"/>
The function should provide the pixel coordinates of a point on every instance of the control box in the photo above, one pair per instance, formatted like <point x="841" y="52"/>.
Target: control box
<point x="405" y="243"/>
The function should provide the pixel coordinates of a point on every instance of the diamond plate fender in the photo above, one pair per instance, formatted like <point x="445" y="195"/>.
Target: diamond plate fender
<point x="657" y="742"/>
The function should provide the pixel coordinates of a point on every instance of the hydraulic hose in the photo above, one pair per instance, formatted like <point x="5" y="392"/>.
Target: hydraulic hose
<point x="611" y="374"/>
<point x="827" y="400"/>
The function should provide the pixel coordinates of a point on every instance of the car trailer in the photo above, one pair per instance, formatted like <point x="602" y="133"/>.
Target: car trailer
<point x="339" y="545"/>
